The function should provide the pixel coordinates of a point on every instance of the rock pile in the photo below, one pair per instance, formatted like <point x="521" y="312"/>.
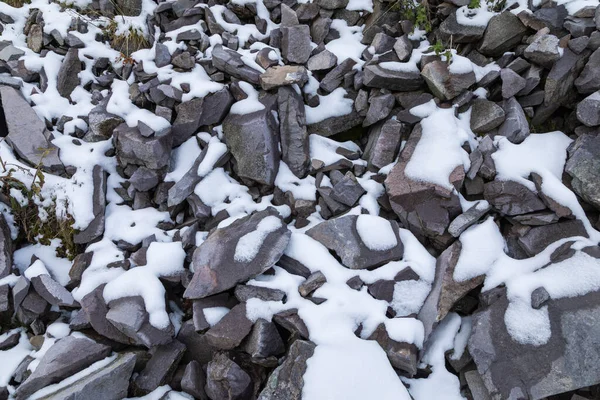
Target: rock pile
<point x="284" y="200"/>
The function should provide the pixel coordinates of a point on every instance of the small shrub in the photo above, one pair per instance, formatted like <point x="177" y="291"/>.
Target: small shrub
<point x="474" y="4"/>
<point x="16" y="3"/>
<point x="125" y="43"/>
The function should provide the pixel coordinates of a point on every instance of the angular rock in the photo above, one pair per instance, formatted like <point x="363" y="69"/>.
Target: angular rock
<point x="443" y="83"/>
<point x="384" y="144"/>
<point x="466" y="219"/>
<point x="559" y="81"/>
<point x="295" y="151"/>
<point x="101" y="123"/>
<point x="133" y="148"/>
<point x="403" y="48"/>
<point x="246" y="292"/>
<point x="503" y="32"/>
<point x="95" y="309"/>
<point x="295" y="43"/>
<point x="380" y="107"/>
<point x="588" y="110"/>
<point x="95" y="229"/>
<point x="286" y="382"/>
<point x="322" y="61"/>
<point x="515" y="126"/>
<point x="312" y="283"/>
<point x="264" y="340"/>
<point x="66" y="357"/>
<point x="539" y="237"/>
<point x="485" y="116"/>
<point x="110" y="382"/>
<point x="459" y="33"/>
<point x="226" y="380"/>
<point x="52" y="291"/>
<point x="340" y="236"/>
<point x="512" y="198"/>
<point x="67" y="79"/>
<point x="26" y="133"/>
<point x="544" y="51"/>
<point x="402" y="356"/>
<point x="193" y="380"/>
<point x="231" y="63"/>
<point x="403" y="81"/>
<point x="6" y="249"/>
<point x="216" y="266"/>
<point x="335" y="125"/>
<point x="583" y="166"/>
<point x="160" y="368"/>
<point x="335" y="77"/>
<point x="512" y="83"/>
<point x="230" y="330"/>
<point x="285" y="75"/>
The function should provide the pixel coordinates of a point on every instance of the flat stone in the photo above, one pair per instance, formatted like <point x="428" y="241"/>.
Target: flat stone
<point x="229" y="332"/>
<point x="512" y="83"/>
<point x="511" y="198"/>
<point x="402" y="356"/>
<point x="467" y="219"/>
<point x="295" y="151"/>
<point x="284" y="75"/>
<point x="67" y="79"/>
<point x="231" y="63"/>
<point x="52" y="291"/>
<point x="380" y="107"/>
<point x="539" y="237"/>
<point x="384" y="144"/>
<point x="160" y="368"/>
<point x="459" y="33"/>
<point x="485" y="116"/>
<point x="403" y="81"/>
<point x="215" y="265"/>
<point x="295" y="44"/>
<point x="322" y="61"/>
<point x="544" y="50"/>
<point x="503" y="32"/>
<point x="340" y="236"/>
<point x="515" y="126"/>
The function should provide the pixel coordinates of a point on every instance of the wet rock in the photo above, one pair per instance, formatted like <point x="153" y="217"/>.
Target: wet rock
<point x="108" y="382"/>
<point x="295" y="43"/>
<point x="583" y="168"/>
<point x="285" y="75"/>
<point x="26" y="133"/>
<point x="404" y="81"/>
<point x="160" y="368"/>
<point x="216" y="266"/>
<point x="286" y="382"/>
<point x="485" y="116"/>
<point x="503" y="32"/>
<point x="588" y="110"/>
<point x="340" y="236"/>
<point x="66" y="357"/>
<point x="295" y="150"/>
<point x="443" y="83"/>
<point x="230" y="330"/>
<point x="384" y="144"/>
<point x="226" y="380"/>
<point x="264" y="340"/>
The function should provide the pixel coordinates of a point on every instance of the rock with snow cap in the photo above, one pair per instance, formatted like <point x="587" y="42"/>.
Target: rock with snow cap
<point x="236" y="253"/>
<point x="444" y="83"/>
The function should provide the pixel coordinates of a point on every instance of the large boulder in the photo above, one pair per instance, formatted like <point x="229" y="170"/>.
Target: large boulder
<point x="237" y="253"/>
<point x="503" y="32"/>
<point x="443" y="83"/>
<point x="253" y="140"/>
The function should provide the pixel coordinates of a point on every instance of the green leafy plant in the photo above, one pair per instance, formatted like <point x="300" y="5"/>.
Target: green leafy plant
<point x="474" y="4"/>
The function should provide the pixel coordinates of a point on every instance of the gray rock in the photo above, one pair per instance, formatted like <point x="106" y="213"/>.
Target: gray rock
<point x="263" y="57"/>
<point x="230" y="330"/>
<point x="445" y="291"/>
<point x="539" y="297"/>
<point x="19" y="291"/>
<point x="403" y="81"/>
<point x="184" y="187"/>
<point x="312" y="283"/>
<point x="485" y="116"/>
<point x="231" y="63"/>
<point x="6" y="249"/>
<point x="129" y="316"/>
<point x="512" y="83"/>
<point x="101" y="123"/>
<point x="253" y="141"/>
<point x="193" y="380"/>
<point x="466" y="219"/>
<point x="512" y="198"/>
<point x="476" y="386"/>
<point x="295" y="44"/>
<point x="27" y="133"/>
<point x="503" y="32"/>
<point x="577" y="45"/>
<point x="384" y="144"/>
<point x="544" y="51"/>
<point x="579" y="27"/>
<point x="244" y="293"/>
<point x="286" y="382"/>
<point x="35" y="38"/>
<point x="513" y="370"/>
<point x="162" y="56"/>
<point x="319" y="29"/>
<point x="589" y="79"/>
<point x="322" y="61"/>
<point x="130" y="8"/>
<point x="95" y="228"/>
<point x="264" y="340"/>
<point x="347" y="190"/>
<point x="11" y="53"/>
<point x="4" y="306"/>
<point x="67" y="79"/>
<point x="66" y="357"/>
<point x="295" y="151"/>
<point x="332" y="4"/>
<point x="288" y="16"/>
<point x="52" y="291"/>
<point x="539" y="237"/>
<point x="197" y="346"/>
<point x="380" y="107"/>
<point x="402" y="356"/>
<point x="198" y="306"/>
<point x="284" y="75"/>
<point x="291" y="321"/>
<point x="425" y="209"/>
<point x="583" y="166"/>
<point x="403" y="48"/>
<point x="132" y="148"/>
<point x="12" y="82"/>
<point x="340" y="236"/>
<point x="459" y="33"/>
<point x="160" y="368"/>
<point x="144" y="179"/>
<point x="184" y="61"/>
<point x="95" y="310"/>
<point x="588" y="110"/>
<point x="226" y="380"/>
<point x="444" y="84"/>
<point x="335" y="125"/>
<point x="335" y="77"/>
<point x="107" y="383"/>
<point x="515" y="127"/>
<point x="215" y="266"/>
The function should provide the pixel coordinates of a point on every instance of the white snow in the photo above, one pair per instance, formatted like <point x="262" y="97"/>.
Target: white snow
<point x="215" y="151"/>
<point x="348" y="45"/>
<point x="214" y="314"/>
<point x="376" y="232"/>
<point x="332" y="105"/>
<point x="249" y="104"/>
<point x="12" y="357"/>
<point x="302" y="189"/>
<point x="248" y="245"/>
